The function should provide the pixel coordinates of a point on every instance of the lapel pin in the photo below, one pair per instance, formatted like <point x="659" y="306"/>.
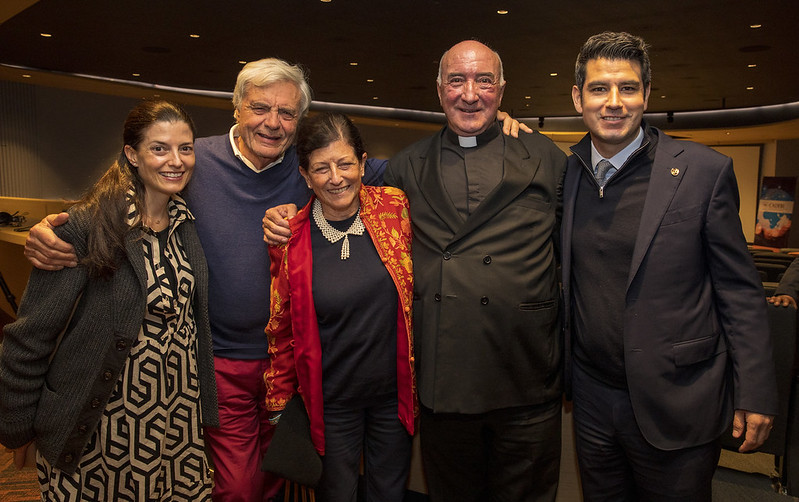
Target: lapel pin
<point x="675" y="171"/>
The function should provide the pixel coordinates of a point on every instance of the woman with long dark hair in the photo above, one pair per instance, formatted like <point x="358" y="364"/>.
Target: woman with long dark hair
<point x="108" y="369"/>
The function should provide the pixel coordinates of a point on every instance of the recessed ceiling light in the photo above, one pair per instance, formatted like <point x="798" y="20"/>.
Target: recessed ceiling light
<point x="136" y="74"/>
<point x="750" y="88"/>
<point x="553" y="74"/>
<point x="194" y="35"/>
<point x="354" y="63"/>
<point x="26" y="75"/>
<point x="528" y="97"/>
<point x="502" y="12"/>
<point x="241" y="61"/>
<point x="755" y="26"/>
<point x="370" y="80"/>
<point x="46" y="35"/>
<point x="751" y="66"/>
<point x="374" y="97"/>
<point x="662" y="96"/>
<point x="325" y="1"/>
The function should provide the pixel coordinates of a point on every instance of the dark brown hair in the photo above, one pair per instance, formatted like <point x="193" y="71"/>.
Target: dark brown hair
<point x="613" y="46"/>
<point x="107" y="200"/>
<point x="320" y="130"/>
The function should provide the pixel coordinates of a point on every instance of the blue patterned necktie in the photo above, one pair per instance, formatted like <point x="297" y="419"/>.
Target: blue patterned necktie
<point x="602" y="169"/>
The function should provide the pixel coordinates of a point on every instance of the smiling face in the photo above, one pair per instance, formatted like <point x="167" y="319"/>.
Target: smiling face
<point x="164" y="159"/>
<point x="470" y="90"/>
<point x="334" y="174"/>
<point x="612" y="102"/>
<point x="267" y="121"/>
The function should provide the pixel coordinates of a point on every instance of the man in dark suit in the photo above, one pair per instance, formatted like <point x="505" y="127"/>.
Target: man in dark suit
<point x="484" y="211"/>
<point x="666" y="333"/>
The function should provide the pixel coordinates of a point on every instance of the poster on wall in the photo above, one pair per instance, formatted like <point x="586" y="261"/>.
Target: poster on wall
<point x="774" y="211"/>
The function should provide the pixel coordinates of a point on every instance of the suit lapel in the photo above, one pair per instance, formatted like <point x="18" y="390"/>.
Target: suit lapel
<point x="571" y="185"/>
<point x="519" y="170"/>
<point x="668" y="170"/>
<point x="427" y="169"/>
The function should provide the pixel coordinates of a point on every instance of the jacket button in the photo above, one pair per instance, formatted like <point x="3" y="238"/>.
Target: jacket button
<point x="68" y="458"/>
<point x="95" y="403"/>
<point x="447" y="255"/>
<point x="121" y="345"/>
<point x="437" y="297"/>
<point x="107" y="375"/>
<point x="82" y="429"/>
<point x="486" y="259"/>
<point x="484" y="300"/>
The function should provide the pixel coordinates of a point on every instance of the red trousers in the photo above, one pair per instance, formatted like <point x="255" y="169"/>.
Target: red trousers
<point x="239" y="443"/>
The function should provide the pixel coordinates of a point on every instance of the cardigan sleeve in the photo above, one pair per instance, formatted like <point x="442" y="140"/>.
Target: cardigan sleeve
<point x="29" y="343"/>
<point x="281" y="378"/>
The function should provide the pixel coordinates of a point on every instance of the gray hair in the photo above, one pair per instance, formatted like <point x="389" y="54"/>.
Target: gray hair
<point x="265" y="72"/>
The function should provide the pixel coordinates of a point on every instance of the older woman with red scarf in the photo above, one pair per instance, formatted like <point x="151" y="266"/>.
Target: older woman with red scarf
<point x="340" y="326"/>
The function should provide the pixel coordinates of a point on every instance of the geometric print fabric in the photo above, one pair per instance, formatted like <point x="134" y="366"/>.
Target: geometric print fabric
<point x="149" y="443"/>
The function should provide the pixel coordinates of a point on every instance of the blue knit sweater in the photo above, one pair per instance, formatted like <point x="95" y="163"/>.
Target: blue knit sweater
<point x="228" y="200"/>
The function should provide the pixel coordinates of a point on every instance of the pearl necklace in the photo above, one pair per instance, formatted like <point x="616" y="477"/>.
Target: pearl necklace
<point x="334" y="235"/>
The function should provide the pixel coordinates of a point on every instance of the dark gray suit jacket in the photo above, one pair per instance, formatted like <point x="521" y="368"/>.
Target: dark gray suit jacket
<point x="696" y="339"/>
<point x="486" y="303"/>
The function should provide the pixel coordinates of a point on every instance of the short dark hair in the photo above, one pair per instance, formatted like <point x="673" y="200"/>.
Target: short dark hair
<point x="320" y="130"/>
<point x="612" y="45"/>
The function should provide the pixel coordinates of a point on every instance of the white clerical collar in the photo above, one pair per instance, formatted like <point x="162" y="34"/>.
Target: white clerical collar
<point x="483" y="138"/>
<point x="620" y="158"/>
<point x="233" y="135"/>
<point x="467" y="141"/>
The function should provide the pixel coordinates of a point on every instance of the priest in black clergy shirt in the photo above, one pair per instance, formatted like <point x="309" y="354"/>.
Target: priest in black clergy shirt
<point x="484" y="212"/>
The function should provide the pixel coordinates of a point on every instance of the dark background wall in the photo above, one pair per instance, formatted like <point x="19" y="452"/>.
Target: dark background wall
<point x="54" y="143"/>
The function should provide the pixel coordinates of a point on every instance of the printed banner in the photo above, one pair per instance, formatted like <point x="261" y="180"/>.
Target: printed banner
<point x="774" y="211"/>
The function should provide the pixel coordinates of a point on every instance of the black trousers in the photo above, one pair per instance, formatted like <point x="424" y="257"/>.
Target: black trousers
<point x="618" y="464"/>
<point x="375" y="430"/>
<point x="511" y="454"/>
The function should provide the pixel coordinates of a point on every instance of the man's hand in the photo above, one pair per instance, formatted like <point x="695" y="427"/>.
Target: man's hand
<point x="45" y="250"/>
<point x="757" y="429"/>
<point x="782" y="301"/>
<point x="276" y="224"/>
<point x="511" y="126"/>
